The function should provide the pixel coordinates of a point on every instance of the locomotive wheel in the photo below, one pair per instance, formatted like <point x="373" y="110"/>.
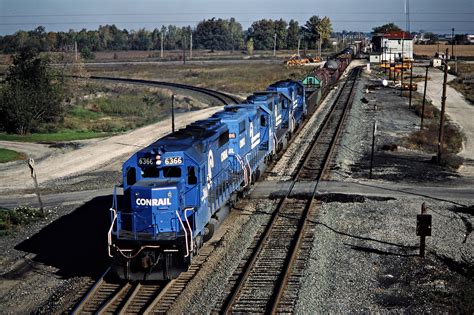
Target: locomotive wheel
<point x="210" y="229"/>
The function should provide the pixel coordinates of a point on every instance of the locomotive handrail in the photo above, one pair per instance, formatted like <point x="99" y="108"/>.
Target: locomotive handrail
<point x="185" y="233"/>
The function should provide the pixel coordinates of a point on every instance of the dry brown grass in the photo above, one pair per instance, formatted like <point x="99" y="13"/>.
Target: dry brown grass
<point x="465" y="73"/>
<point x="430" y="50"/>
<point x="238" y="78"/>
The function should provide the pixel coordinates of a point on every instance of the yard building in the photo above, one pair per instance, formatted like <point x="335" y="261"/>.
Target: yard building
<point x="392" y="46"/>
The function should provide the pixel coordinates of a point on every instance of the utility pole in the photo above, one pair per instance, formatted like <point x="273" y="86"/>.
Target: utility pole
<point x="161" y="54"/>
<point x="299" y="42"/>
<point x="75" y="51"/>
<point x="172" y="113"/>
<point x="274" y="44"/>
<point x="443" y="109"/>
<point x="191" y="45"/>
<point x="452" y="43"/>
<point x="424" y="98"/>
<point x="403" y="53"/>
<point x="411" y="82"/>
<point x="320" y="47"/>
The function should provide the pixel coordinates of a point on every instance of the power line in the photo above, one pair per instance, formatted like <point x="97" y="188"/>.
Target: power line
<point x="197" y="21"/>
<point x="231" y="13"/>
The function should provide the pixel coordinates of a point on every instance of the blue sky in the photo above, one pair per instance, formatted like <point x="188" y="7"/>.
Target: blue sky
<point x="358" y="15"/>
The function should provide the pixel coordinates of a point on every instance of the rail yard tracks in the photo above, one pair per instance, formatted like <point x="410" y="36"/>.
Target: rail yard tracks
<point x="268" y="277"/>
<point x="221" y="97"/>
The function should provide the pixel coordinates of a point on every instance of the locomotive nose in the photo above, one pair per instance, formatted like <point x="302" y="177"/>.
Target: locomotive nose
<point x="154" y="206"/>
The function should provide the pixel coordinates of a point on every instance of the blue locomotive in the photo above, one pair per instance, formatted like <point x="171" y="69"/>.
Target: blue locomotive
<point x="178" y="189"/>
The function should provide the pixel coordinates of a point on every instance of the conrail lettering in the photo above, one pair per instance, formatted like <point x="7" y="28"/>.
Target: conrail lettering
<point x="153" y="202"/>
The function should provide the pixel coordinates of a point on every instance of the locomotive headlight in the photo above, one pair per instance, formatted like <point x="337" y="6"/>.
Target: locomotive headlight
<point x="158" y="160"/>
<point x="231" y="135"/>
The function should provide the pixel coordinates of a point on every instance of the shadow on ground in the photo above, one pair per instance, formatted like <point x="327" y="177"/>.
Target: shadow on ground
<point x="403" y="166"/>
<point x="76" y="243"/>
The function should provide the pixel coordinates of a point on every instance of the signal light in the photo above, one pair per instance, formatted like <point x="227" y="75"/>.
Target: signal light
<point x="158" y="160"/>
<point x="231" y="135"/>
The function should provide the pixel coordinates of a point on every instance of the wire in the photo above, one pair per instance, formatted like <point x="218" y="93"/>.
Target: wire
<point x="231" y="13"/>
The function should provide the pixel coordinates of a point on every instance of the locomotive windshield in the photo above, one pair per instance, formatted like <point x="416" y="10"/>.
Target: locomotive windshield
<point x="164" y="172"/>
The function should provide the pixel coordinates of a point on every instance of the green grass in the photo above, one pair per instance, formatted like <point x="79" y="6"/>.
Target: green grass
<point x="67" y="135"/>
<point x="9" y="155"/>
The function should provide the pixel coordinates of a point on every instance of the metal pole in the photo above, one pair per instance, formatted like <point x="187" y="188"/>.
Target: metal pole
<point x="443" y="109"/>
<point x="390" y="65"/>
<point x="411" y="82"/>
<point x="423" y="237"/>
<point x="172" y="113"/>
<point x="424" y="98"/>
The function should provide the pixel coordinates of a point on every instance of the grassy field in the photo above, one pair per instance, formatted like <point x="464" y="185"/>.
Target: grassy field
<point x="430" y="50"/>
<point x="9" y="155"/>
<point x="233" y="78"/>
<point x="63" y="135"/>
<point x="97" y="109"/>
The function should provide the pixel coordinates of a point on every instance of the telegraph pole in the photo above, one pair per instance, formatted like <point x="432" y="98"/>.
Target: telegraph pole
<point x="443" y="109"/>
<point x="424" y="98"/>
<point x="274" y="44"/>
<point x="452" y="43"/>
<point x="403" y="53"/>
<point x="172" y="113"/>
<point x="299" y="42"/>
<point x="161" y="54"/>
<point x="411" y="82"/>
<point x="191" y="45"/>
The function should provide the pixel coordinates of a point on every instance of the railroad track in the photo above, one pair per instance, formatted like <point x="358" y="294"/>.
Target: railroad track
<point x="221" y="97"/>
<point x="106" y="296"/>
<point x="268" y="277"/>
<point x="120" y="297"/>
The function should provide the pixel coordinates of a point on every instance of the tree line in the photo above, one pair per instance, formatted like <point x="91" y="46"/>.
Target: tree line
<point x="213" y="34"/>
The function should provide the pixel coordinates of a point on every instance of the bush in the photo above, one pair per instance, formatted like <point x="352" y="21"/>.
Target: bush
<point x="87" y="54"/>
<point x="11" y="219"/>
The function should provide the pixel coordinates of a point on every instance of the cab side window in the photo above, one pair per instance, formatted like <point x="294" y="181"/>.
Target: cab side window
<point x="131" y="176"/>
<point x="192" y="178"/>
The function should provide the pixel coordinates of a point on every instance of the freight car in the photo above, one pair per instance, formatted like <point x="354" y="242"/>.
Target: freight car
<point x="318" y="82"/>
<point x="178" y="189"/>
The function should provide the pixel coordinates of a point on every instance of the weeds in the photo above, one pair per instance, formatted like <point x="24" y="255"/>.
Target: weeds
<point x="12" y="219"/>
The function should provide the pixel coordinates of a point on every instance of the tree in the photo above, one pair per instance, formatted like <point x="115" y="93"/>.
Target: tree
<point x="316" y="29"/>
<point x="30" y="95"/>
<point x="293" y="35"/>
<point x="390" y="27"/>
<point x="250" y="46"/>
<point x="281" y="32"/>
<point x="214" y="34"/>
<point x="262" y="32"/>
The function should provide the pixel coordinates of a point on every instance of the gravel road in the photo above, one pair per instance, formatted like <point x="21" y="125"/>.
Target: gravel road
<point x="458" y="109"/>
<point x="93" y="155"/>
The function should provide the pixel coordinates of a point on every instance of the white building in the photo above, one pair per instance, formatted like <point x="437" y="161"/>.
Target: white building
<point x="392" y="45"/>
